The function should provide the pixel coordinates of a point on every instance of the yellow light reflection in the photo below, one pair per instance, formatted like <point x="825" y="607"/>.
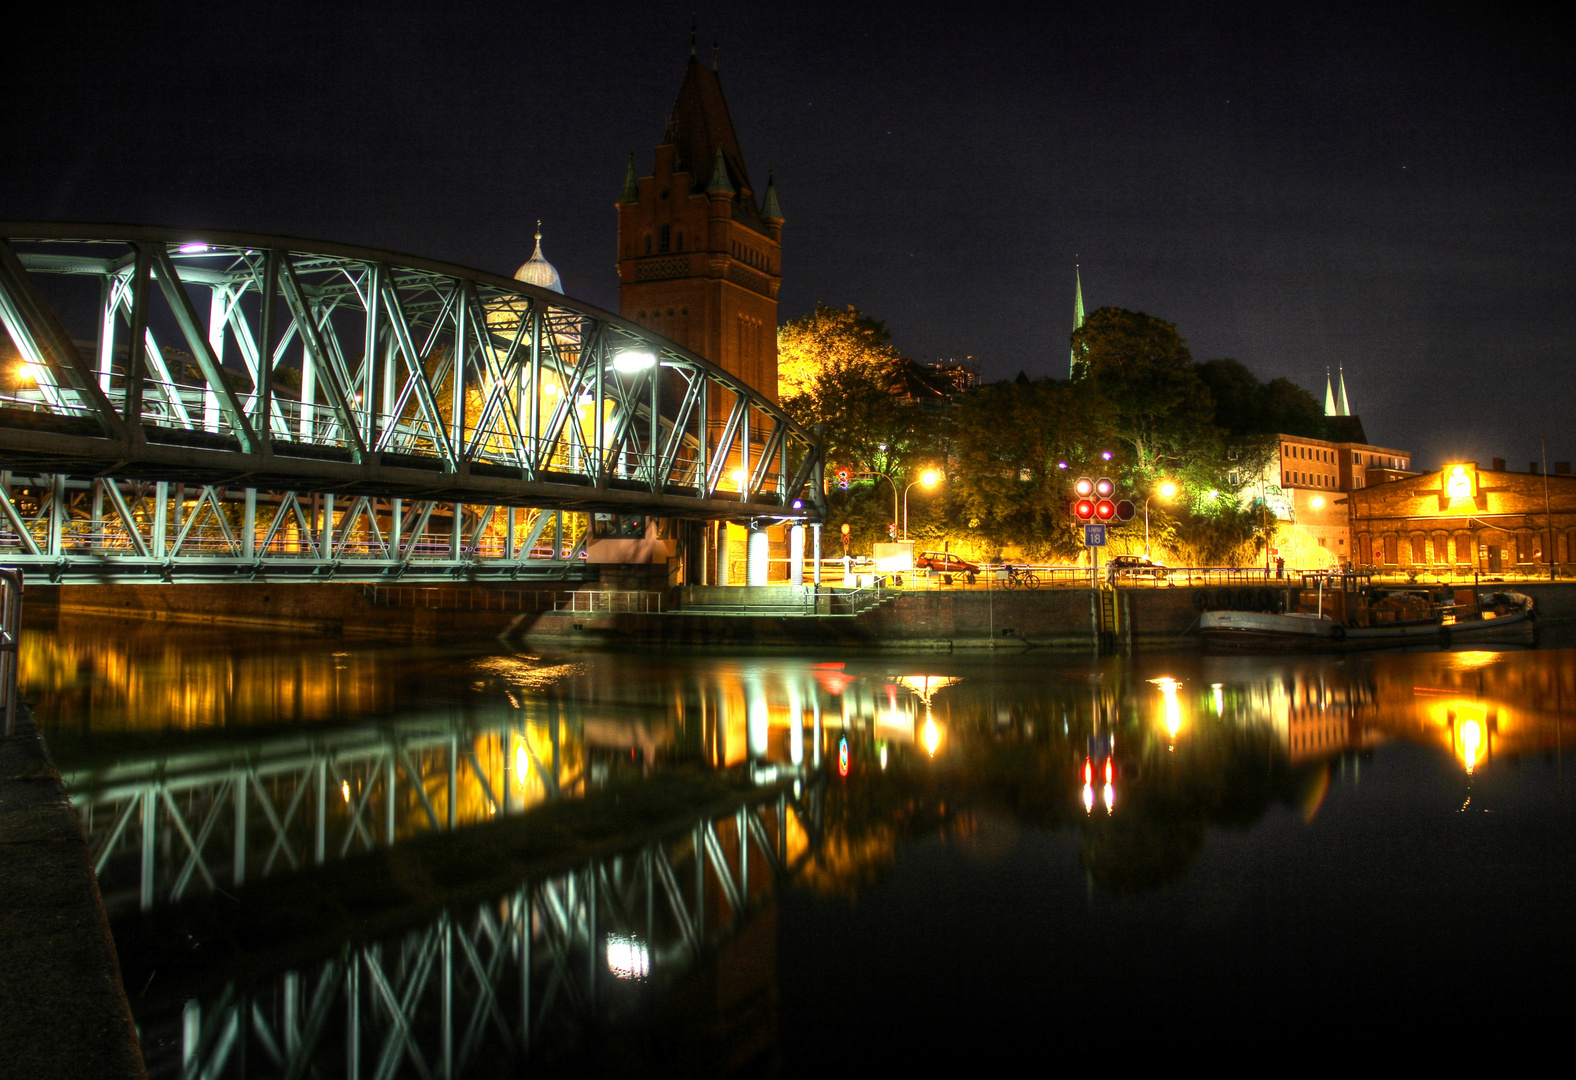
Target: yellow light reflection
<point x="931" y="734"/>
<point x="344" y="789"/>
<point x="522" y="763"/>
<point x="1458" y="483"/>
<point x="1173" y="707"/>
<point x="1470" y="718"/>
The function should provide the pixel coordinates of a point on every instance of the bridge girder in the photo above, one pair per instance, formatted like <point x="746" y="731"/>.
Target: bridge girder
<point x="233" y="360"/>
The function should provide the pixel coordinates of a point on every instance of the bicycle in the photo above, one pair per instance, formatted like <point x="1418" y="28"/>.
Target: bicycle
<point x="1022" y="578"/>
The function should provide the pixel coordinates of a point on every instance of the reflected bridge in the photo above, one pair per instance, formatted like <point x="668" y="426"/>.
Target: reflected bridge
<point x="202" y="402"/>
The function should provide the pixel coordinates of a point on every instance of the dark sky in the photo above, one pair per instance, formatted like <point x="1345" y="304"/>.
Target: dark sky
<point x="1297" y="186"/>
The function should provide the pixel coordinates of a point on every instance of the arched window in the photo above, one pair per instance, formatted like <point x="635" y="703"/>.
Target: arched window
<point x="664" y="237"/>
<point x="680" y="240"/>
<point x="1392" y="549"/>
<point x="648" y="243"/>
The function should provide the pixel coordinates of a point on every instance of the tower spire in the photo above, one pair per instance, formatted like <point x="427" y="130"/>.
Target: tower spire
<point x="1078" y="316"/>
<point x="1344" y="407"/>
<point x="631" y="192"/>
<point x="1329" y="396"/>
<point x="693" y="30"/>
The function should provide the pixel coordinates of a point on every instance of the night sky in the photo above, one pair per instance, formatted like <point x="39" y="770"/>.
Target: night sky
<point x="1297" y="187"/>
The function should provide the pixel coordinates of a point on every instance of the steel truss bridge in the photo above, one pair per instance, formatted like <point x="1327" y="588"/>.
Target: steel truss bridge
<point x="480" y="981"/>
<point x="200" y="403"/>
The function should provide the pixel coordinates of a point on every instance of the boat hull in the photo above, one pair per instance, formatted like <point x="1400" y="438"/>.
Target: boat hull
<point x="1262" y="632"/>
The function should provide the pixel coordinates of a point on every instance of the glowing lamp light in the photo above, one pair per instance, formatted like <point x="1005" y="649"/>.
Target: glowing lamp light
<point x="630" y="362"/>
<point x="842" y="756"/>
<point x="26" y="371"/>
<point x="930" y="478"/>
<point x="1106" y="455"/>
<point x="1316" y="502"/>
<point x="737" y="476"/>
<point x="550" y="389"/>
<point x="1084" y="486"/>
<point x="1458" y="482"/>
<point x="1167" y="490"/>
<point x="1104" y="486"/>
<point x="628" y="957"/>
<point x="1061" y="464"/>
<point x="193" y="249"/>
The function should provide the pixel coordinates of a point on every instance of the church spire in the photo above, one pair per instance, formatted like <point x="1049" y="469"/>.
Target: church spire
<point x="631" y="192"/>
<point x="1078" y="316"/>
<point x="1329" y="396"/>
<point x="719" y="176"/>
<point x="1341" y="404"/>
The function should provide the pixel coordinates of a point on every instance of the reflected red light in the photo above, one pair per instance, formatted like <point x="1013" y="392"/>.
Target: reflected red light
<point x="1088" y="771"/>
<point x="1108" y="770"/>
<point x="842" y="757"/>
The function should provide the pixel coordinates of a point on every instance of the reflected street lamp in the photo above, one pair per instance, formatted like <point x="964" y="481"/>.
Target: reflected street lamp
<point x="929" y="478"/>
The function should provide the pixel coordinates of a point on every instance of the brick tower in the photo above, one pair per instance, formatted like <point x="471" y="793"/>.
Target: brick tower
<point x="698" y="261"/>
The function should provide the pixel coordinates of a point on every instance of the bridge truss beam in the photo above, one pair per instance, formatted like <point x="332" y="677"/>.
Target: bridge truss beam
<point x="230" y="362"/>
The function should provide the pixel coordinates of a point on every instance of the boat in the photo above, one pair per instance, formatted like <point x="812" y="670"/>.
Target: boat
<point x="1338" y="612"/>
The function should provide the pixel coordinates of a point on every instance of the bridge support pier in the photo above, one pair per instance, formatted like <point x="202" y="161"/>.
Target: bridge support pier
<point x="796" y="555"/>
<point x="757" y="556"/>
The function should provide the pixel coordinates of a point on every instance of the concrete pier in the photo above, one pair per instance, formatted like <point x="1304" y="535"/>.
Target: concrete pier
<point x="63" y="1011"/>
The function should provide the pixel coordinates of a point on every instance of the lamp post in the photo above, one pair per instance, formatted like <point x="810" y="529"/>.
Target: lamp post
<point x="1167" y="490"/>
<point x="928" y="478"/>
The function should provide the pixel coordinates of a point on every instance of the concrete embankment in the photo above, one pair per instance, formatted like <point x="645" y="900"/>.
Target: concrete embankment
<point x="917" y="619"/>
<point x="63" y="1011"/>
<point x="929" y="619"/>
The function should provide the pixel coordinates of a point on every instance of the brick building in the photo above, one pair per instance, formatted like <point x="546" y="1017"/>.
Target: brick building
<point x="699" y="261"/>
<point x="1463" y="519"/>
<point x="1304" y="484"/>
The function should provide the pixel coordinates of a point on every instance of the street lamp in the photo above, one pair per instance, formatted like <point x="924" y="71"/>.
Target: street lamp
<point x="928" y="478"/>
<point x="1167" y="490"/>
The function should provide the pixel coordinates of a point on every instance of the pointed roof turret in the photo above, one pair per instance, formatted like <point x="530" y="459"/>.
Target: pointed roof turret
<point x="1329" y="396"/>
<point x="700" y="126"/>
<point x="631" y="192"/>
<point x="719" y="176"/>
<point x="1343" y="407"/>
<point x="537" y="270"/>
<point x="1078" y="315"/>
<point x="770" y="211"/>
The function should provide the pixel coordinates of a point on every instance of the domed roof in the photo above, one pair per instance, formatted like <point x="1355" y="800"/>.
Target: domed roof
<point x="537" y="270"/>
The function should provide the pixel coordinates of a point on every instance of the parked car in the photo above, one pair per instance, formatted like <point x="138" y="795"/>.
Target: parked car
<point x="1134" y="566"/>
<point x="944" y="563"/>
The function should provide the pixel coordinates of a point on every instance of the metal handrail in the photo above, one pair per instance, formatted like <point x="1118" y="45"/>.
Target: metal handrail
<point x="10" y="638"/>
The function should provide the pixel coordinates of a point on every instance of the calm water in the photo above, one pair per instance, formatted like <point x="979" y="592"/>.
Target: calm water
<point x="381" y="859"/>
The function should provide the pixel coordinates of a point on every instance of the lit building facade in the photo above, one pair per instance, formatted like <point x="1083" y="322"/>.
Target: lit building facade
<point x="1304" y="484"/>
<point x="1466" y="519"/>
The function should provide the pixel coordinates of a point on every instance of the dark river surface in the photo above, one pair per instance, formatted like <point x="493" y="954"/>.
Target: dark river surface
<point x="340" y="858"/>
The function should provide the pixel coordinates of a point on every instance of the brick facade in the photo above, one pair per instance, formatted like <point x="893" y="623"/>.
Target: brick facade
<point x="699" y="261"/>
<point x="1464" y="519"/>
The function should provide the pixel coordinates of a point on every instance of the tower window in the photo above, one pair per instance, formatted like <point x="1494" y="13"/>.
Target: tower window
<point x="663" y="237"/>
<point x="681" y="240"/>
<point x="648" y="243"/>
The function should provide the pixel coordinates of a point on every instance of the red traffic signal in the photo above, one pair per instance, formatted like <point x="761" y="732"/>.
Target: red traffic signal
<point x="1084" y="510"/>
<point x="1125" y="510"/>
<point x="1105" y="510"/>
<point x="842" y="479"/>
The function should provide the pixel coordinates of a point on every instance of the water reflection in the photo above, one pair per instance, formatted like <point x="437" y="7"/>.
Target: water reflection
<point x="206" y="765"/>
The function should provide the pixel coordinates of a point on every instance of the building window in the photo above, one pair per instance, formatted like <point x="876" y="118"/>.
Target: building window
<point x="648" y="243"/>
<point x="1419" y="555"/>
<point x="663" y="237"/>
<point x="681" y="240"/>
<point x="1234" y="478"/>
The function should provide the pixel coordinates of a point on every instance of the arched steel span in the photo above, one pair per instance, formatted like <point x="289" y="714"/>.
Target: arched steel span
<point x="230" y="361"/>
<point x="193" y="401"/>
